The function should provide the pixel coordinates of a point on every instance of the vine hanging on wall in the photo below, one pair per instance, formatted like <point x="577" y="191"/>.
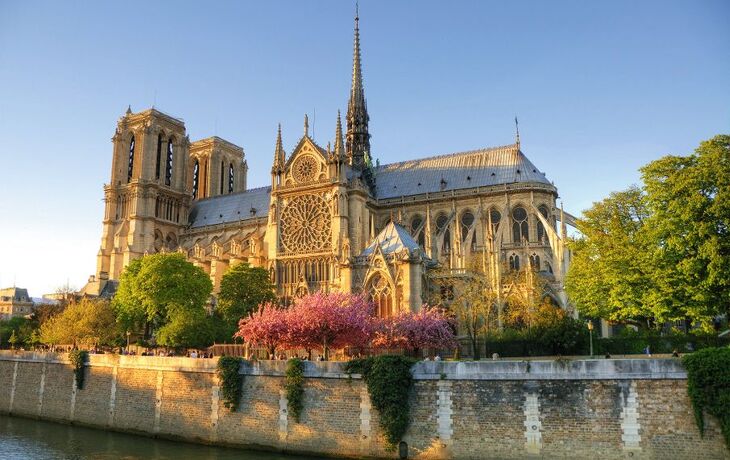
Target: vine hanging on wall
<point x="294" y="386"/>
<point x="389" y="382"/>
<point x="231" y="381"/>
<point x="78" y="358"/>
<point x="708" y="386"/>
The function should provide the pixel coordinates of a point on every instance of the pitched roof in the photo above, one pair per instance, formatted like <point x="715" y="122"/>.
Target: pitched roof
<point x="230" y="208"/>
<point x="476" y="168"/>
<point x="392" y="240"/>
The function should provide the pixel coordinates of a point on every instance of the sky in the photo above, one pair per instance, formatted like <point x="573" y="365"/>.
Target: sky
<point x="600" y="89"/>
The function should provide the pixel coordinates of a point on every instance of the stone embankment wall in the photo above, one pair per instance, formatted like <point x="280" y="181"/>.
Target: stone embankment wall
<point x="472" y="410"/>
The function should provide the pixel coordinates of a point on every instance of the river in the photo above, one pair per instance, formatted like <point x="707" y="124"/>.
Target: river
<point x="24" y="439"/>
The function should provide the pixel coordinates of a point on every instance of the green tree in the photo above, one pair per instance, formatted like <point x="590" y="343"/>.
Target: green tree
<point x="157" y="288"/>
<point x="609" y="274"/>
<point x="243" y="289"/>
<point x="187" y="330"/>
<point x="689" y="198"/>
<point x="22" y="328"/>
<point x="662" y="252"/>
<point x="85" y="323"/>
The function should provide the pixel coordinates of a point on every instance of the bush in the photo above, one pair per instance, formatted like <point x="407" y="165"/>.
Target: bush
<point x="708" y="385"/>
<point x="78" y="358"/>
<point x="389" y="382"/>
<point x="294" y="386"/>
<point x="231" y="381"/>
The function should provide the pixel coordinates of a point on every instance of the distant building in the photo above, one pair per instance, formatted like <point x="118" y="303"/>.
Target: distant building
<point x="15" y="302"/>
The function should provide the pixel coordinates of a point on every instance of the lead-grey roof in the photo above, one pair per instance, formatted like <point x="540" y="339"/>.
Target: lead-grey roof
<point x="230" y="208"/>
<point x="392" y="240"/>
<point x="476" y="168"/>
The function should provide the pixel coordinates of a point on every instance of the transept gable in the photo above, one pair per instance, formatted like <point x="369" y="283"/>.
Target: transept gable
<point x="307" y="163"/>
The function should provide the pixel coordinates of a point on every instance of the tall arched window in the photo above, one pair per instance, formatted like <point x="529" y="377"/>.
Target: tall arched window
<point x="223" y="172"/>
<point x="495" y="217"/>
<point x="416" y="223"/>
<point x="535" y="262"/>
<point x="381" y="295"/>
<point x="514" y="262"/>
<point x="467" y="220"/>
<point x="230" y="178"/>
<point x="158" y="164"/>
<point x="196" y="178"/>
<point x="540" y="227"/>
<point x="520" y="229"/>
<point x="168" y="166"/>
<point x="130" y="165"/>
<point x="441" y="221"/>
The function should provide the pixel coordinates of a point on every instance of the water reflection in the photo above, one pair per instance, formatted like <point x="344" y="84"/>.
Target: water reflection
<point x="38" y="440"/>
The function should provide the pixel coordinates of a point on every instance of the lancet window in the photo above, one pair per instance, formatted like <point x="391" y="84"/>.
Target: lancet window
<point x="130" y="164"/>
<point x="467" y="221"/>
<point x="514" y="262"/>
<point x="158" y="163"/>
<point x="418" y="233"/>
<point x="381" y="295"/>
<point x="520" y="227"/>
<point x="535" y="262"/>
<point x="495" y="217"/>
<point x="196" y="178"/>
<point x="230" y="178"/>
<point x="441" y="227"/>
<point x="168" y="165"/>
<point x="541" y="234"/>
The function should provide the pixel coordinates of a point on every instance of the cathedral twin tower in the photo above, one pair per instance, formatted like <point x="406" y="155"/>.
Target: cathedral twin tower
<point x="331" y="220"/>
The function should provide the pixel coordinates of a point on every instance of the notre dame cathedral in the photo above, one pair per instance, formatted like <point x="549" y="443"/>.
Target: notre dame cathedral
<point x="331" y="220"/>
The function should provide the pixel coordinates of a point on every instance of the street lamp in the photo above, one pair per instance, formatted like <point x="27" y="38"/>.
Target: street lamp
<point x="128" y="334"/>
<point x="590" y="333"/>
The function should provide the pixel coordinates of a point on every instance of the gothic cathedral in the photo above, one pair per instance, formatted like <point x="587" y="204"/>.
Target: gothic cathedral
<point x="331" y="220"/>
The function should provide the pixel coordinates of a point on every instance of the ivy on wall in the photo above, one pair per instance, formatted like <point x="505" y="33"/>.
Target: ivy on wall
<point x="294" y="386"/>
<point x="231" y="381"/>
<point x="78" y="358"/>
<point x="708" y="385"/>
<point x="389" y="383"/>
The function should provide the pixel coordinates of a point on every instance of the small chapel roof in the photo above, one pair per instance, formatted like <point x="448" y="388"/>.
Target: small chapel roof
<point x="393" y="239"/>
<point x="233" y="207"/>
<point x="475" y="168"/>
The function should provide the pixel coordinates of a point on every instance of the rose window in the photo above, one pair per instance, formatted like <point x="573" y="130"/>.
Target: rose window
<point x="304" y="169"/>
<point x="305" y="224"/>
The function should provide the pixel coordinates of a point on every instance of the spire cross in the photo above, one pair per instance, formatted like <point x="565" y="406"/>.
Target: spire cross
<point x="306" y="125"/>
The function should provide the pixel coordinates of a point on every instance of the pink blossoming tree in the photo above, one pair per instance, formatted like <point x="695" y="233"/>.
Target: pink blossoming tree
<point x="324" y="321"/>
<point x="429" y="328"/>
<point x="267" y="327"/>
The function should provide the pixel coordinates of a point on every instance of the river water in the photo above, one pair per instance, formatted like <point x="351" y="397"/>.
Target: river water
<point x="24" y="439"/>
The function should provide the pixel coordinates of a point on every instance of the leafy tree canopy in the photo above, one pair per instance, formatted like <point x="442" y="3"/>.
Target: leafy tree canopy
<point x="243" y="288"/>
<point x="156" y="288"/>
<point x="662" y="252"/>
<point x="85" y="323"/>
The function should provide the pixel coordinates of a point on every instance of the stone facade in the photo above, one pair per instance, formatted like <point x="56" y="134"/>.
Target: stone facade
<point x="15" y="302"/>
<point x="612" y="409"/>
<point x="332" y="219"/>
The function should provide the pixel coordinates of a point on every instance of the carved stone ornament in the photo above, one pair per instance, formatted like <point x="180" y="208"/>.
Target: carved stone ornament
<point x="305" y="169"/>
<point x="305" y="224"/>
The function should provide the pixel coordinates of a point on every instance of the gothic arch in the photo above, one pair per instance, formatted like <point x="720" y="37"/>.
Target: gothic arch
<point x="381" y="292"/>
<point x="520" y="226"/>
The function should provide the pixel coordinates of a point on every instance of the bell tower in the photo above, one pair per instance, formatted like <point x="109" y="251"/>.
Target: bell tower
<point x="147" y="201"/>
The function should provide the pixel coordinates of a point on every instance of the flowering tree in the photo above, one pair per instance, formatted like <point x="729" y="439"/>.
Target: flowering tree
<point x="428" y="328"/>
<point x="267" y="327"/>
<point x="324" y="321"/>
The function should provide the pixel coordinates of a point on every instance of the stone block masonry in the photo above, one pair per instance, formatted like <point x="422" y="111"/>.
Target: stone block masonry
<point x="598" y="409"/>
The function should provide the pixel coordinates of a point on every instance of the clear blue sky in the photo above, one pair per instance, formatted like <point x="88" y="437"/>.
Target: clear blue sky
<point x="600" y="88"/>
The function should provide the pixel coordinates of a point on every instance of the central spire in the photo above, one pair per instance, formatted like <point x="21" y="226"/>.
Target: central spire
<point x="358" y="137"/>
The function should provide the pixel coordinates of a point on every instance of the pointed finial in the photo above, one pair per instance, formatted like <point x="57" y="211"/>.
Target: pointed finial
<point x="357" y="11"/>
<point x="129" y="109"/>
<point x="339" y="141"/>
<point x="306" y="125"/>
<point x="517" y="133"/>
<point x="279" y="155"/>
